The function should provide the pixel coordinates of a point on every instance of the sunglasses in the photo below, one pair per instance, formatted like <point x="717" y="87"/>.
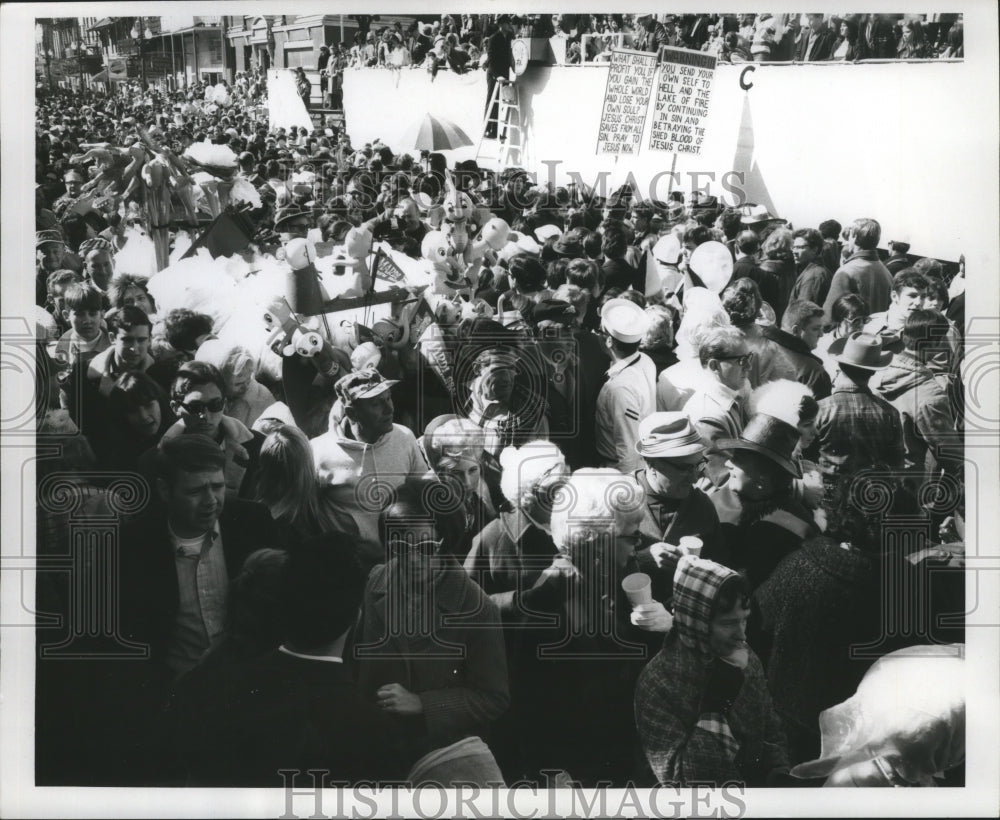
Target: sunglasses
<point x="200" y="408"/>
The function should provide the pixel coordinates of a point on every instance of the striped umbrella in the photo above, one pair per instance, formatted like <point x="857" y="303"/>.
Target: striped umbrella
<point x="432" y="133"/>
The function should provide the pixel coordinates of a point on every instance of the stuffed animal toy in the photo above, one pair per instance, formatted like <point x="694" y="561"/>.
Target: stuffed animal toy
<point x="288" y="337"/>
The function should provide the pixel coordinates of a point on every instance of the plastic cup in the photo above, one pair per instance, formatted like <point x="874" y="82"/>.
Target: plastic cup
<point x="638" y="588"/>
<point x="691" y="545"/>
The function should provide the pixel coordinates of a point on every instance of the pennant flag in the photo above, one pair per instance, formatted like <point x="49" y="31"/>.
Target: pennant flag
<point x="754" y="187"/>
<point x="386" y="269"/>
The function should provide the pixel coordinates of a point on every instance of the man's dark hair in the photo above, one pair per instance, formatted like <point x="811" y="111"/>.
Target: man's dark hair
<point x="583" y="273"/>
<point x="131" y="391"/>
<point x="866" y="233"/>
<point x="527" y="272"/>
<point x="126" y="318"/>
<point x="798" y="312"/>
<point x="848" y="306"/>
<point x="812" y="237"/>
<point x="183" y="326"/>
<point x="190" y="453"/>
<point x="830" y="229"/>
<point x="748" y="242"/>
<point x="83" y="296"/>
<point x="120" y="286"/>
<point x="321" y="591"/>
<point x="593" y="243"/>
<point x="930" y="268"/>
<point x="61" y="278"/>
<point x="192" y="374"/>
<point x="926" y="329"/>
<point x="731" y="223"/>
<point x="614" y="242"/>
<point x="698" y="235"/>
<point x="909" y="278"/>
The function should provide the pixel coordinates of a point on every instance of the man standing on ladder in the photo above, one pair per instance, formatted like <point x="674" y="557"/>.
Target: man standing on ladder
<point x="499" y="63"/>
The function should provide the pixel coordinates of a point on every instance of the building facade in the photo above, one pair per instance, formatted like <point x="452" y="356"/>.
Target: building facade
<point x="286" y="41"/>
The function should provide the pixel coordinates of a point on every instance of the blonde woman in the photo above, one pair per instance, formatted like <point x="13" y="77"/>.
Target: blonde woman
<point x="246" y="398"/>
<point x="301" y="506"/>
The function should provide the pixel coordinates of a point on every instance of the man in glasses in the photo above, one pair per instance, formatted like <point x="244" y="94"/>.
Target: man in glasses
<point x="718" y="407"/>
<point x="673" y="454"/>
<point x="438" y="677"/>
<point x="197" y="397"/>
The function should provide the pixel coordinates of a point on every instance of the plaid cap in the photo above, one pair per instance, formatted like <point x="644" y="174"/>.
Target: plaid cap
<point x="97" y="243"/>
<point x="696" y="583"/>
<point x="362" y="384"/>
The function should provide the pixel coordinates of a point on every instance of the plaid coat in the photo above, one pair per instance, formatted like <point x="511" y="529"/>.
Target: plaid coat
<point x="854" y="430"/>
<point x="683" y="743"/>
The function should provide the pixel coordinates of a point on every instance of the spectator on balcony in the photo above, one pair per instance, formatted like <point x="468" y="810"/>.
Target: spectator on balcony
<point x="846" y="47"/>
<point x="817" y="42"/>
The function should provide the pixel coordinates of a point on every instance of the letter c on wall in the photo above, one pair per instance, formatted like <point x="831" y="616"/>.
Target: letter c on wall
<point x="743" y="74"/>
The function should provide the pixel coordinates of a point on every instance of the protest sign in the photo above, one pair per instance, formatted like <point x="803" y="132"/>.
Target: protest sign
<point x="626" y="98"/>
<point x="682" y="99"/>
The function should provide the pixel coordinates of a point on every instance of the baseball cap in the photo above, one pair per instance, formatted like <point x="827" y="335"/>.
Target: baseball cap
<point x="362" y="384"/>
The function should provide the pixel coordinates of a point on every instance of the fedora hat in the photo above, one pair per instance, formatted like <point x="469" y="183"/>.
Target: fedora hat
<point x="668" y="435"/>
<point x="753" y="214"/>
<point x="770" y="437"/>
<point x="862" y="350"/>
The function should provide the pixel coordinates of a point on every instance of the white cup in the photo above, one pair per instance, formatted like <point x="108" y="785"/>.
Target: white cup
<point x="691" y="545"/>
<point x="638" y="588"/>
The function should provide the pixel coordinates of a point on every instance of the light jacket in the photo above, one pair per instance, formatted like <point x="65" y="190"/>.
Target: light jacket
<point x="362" y="472"/>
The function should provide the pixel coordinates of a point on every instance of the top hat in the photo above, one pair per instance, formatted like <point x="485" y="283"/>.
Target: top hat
<point x="862" y="350"/>
<point x="770" y="437"/>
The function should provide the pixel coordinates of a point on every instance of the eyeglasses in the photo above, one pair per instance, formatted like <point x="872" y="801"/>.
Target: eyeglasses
<point x="407" y="546"/>
<point x="201" y="408"/>
<point x="744" y="360"/>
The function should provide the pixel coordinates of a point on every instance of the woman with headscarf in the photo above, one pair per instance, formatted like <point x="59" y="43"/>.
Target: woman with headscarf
<point x="701" y="705"/>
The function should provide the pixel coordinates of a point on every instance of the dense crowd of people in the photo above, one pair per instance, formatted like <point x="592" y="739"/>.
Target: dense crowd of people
<point x="460" y="41"/>
<point x="615" y="493"/>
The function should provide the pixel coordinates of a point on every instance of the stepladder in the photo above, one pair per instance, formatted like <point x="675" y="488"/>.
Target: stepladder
<point x="502" y="133"/>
